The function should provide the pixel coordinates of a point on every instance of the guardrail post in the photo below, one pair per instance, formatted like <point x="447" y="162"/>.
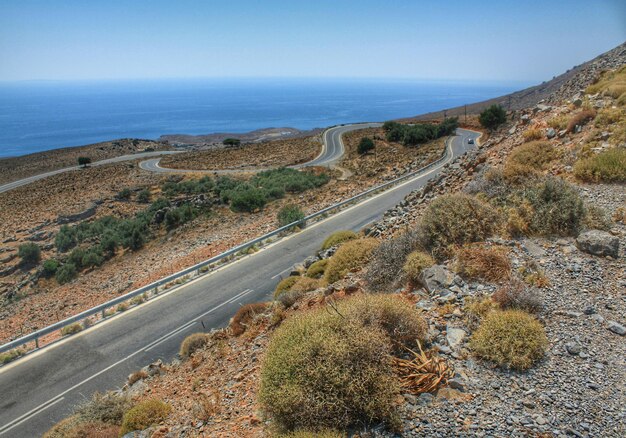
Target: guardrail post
<point x="37" y="343"/>
<point x="104" y="313"/>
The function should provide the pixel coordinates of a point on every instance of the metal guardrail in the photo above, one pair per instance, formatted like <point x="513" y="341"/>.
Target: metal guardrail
<point x="225" y="256"/>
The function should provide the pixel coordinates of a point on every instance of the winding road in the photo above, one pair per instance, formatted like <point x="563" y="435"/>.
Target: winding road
<point x="42" y="388"/>
<point x="30" y="179"/>
<point x="332" y="151"/>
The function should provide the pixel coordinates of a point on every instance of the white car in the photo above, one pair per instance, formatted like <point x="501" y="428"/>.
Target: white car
<point x="470" y="141"/>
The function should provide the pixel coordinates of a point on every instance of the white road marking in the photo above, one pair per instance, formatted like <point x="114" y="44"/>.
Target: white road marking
<point x="280" y="273"/>
<point x="42" y="407"/>
<point x="167" y="336"/>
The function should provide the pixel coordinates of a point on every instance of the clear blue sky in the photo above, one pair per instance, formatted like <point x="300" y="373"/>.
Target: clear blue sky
<point x="521" y="40"/>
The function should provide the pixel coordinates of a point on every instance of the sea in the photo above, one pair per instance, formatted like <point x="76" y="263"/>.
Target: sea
<point x="42" y="115"/>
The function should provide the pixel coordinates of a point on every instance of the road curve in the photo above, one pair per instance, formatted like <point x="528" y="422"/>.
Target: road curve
<point x="41" y="389"/>
<point x="30" y="179"/>
<point x="332" y="151"/>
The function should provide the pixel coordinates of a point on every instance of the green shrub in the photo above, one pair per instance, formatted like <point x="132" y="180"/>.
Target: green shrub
<point x="66" y="273"/>
<point x="84" y="161"/>
<point x="144" y="414"/>
<point x="143" y="196"/>
<point x="350" y="256"/>
<point x="385" y="266"/>
<point x="50" y="267"/>
<point x="71" y="329"/>
<point x="65" y="239"/>
<point x="316" y="270"/>
<point x="285" y="285"/>
<point x="337" y="238"/>
<point x="290" y="213"/>
<point x="457" y="219"/>
<point x="231" y="142"/>
<point x="92" y="258"/>
<point x="365" y="145"/>
<point x="325" y="368"/>
<point x="246" y="198"/>
<point x="10" y="356"/>
<point x="192" y="343"/>
<point x="415" y="263"/>
<point x="30" y="253"/>
<point x="510" y="338"/>
<point x="124" y="194"/>
<point x="532" y="134"/>
<point x="606" y="166"/>
<point x="492" y="117"/>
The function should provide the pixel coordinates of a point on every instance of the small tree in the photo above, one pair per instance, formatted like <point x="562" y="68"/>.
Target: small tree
<point x="50" y="267"/>
<point x="84" y="161"/>
<point x="30" y="253"/>
<point x="231" y="142"/>
<point x="366" y="144"/>
<point x="143" y="196"/>
<point x="493" y="117"/>
<point x="290" y="213"/>
<point x="124" y="194"/>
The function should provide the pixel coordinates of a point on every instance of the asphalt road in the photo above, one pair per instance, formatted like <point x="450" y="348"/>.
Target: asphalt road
<point x="332" y="151"/>
<point x="42" y="388"/>
<point x="21" y="182"/>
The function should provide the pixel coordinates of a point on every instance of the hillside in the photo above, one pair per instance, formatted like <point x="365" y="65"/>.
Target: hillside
<point x="487" y="303"/>
<point x="562" y="87"/>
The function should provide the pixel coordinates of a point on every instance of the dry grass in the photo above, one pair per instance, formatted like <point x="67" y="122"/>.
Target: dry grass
<point x="481" y="262"/>
<point x="351" y="256"/>
<point x="72" y="427"/>
<point x="609" y="82"/>
<point x="326" y="433"/>
<point x="559" y="122"/>
<point x="136" y="377"/>
<point x="607" y="166"/>
<point x="144" y="414"/>
<point x="532" y="134"/>
<point x="423" y="372"/>
<point x="510" y="339"/>
<point x="529" y="159"/>
<point x="337" y="238"/>
<point x="306" y="284"/>
<point x="453" y="220"/>
<point x="285" y="285"/>
<point x="476" y="309"/>
<point x="316" y="270"/>
<point x="245" y="316"/>
<point x="329" y="367"/>
<point x="208" y="405"/>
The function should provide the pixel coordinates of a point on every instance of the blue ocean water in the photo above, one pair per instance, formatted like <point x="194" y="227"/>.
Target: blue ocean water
<point x="42" y="115"/>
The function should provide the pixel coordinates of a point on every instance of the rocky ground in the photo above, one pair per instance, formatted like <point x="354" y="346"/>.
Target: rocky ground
<point x="12" y="169"/>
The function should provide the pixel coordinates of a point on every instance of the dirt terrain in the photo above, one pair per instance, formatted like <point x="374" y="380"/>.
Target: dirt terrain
<point x="216" y="139"/>
<point x="12" y="169"/>
<point x="249" y="155"/>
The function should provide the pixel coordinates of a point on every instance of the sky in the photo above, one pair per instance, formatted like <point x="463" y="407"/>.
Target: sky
<point x="494" y="40"/>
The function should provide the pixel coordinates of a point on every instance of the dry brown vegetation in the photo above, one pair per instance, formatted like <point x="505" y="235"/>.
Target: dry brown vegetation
<point x="483" y="262"/>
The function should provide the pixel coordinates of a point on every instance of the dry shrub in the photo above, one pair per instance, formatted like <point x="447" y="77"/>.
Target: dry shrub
<point x="245" y="316"/>
<point x="192" y="343"/>
<point x="285" y="285"/>
<point x="621" y="101"/>
<point x="558" y="123"/>
<point x="606" y="166"/>
<point x="144" y="414"/>
<point x="597" y="219"/>
<point x="136" y="377"/>
<point x="580" y="119"/>
<point x="316" y="270"/>
<point x="306" y="284"/>
<point x="104" y="408"/>
<point x="532" y="134"/>
<point x="415" y="264"/>
<point x="519" y="219"/>
<point x="385" y="267"/>
<point x="510" y="338"/>
<point x="515" y="295"/>
<point x="72" y="427"/>
<point x="337" y="238"/>
<point x="607" y="117"/>
<point x="423" y="372"/>
<point x="528" y="159"/>
<point x="452" y="220"/>
<point x="332" y="366"/>
<point x="476" y="309"/>
<point x="490" y="263"/>
<point x="352" y="255"/>
<point x="619" y="215"/>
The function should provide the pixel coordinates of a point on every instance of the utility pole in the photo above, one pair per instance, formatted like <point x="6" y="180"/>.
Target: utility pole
<point x="465" y="113"/>
<point x="445" y="114"/>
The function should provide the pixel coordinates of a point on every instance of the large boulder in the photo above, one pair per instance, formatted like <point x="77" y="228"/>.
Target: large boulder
<point x="438" y="278"/>
<point x="598" y="243"/>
